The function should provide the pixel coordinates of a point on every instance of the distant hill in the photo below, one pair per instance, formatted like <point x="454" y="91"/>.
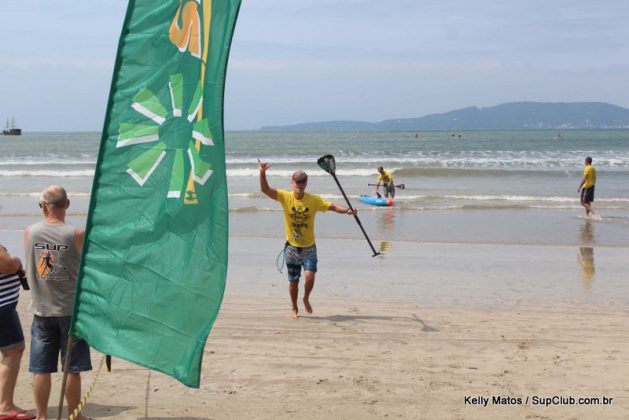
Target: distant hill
<point x="515" y="115"/>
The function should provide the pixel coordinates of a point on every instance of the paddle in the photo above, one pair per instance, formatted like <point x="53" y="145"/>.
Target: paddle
<point x="400" y="186"/>
<point x="328" y="164"/>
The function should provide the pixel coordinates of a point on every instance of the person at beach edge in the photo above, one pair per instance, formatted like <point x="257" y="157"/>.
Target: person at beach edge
<point x="300" y="250"/>
<point x="53" y="252"/>
<point x="11" y="334"/>
<point x="586" y="187"/>
<point x="386" y="179"/>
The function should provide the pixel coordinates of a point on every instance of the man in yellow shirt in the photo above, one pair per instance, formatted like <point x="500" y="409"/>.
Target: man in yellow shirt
<point x="299" y="208"/>
<point x="586" y="187"/>
<point x="386" y="179"/>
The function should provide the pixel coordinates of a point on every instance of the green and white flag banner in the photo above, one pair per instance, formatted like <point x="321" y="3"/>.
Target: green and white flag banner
<point x="154" y="264"/>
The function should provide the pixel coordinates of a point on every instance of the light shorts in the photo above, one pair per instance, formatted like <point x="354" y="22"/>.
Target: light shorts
<point x="49" y="336"/>
<point x="300" y="257"/>
<point x="11" y="334"/>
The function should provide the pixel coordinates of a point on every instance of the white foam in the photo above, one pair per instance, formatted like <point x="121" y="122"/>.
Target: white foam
<point x="489" y="159"/>
<point x="286" y="173"/>
<point x="37" y="162"/>
<point x="36" y="194"/>
<point x="47" y="173"/>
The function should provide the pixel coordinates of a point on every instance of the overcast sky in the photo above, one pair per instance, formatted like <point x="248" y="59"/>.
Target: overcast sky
<point x="298" y="61"/>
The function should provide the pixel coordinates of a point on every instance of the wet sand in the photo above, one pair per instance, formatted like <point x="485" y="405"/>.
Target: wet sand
<point x="477" y="276"/>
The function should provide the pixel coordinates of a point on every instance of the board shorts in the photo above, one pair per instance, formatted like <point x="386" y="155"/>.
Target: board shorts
<point x="587" y="195"/>
<point x="389" y="190"/>
<point x="49" y="336"/>
<point x="297" y="257"/>
<point x="11" y="334"/>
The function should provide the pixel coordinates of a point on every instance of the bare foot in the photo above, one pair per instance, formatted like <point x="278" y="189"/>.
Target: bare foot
<point x="307" y="306"/>
<point x="294" y="313"/>
<point x="18" y="412"/>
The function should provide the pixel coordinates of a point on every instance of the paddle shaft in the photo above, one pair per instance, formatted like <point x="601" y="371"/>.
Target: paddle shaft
<point x="400" y="186"/>
<point x="355" y="215"/>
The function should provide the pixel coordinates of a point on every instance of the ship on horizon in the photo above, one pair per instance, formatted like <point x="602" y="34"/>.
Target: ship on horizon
<point x="11" y="130"/>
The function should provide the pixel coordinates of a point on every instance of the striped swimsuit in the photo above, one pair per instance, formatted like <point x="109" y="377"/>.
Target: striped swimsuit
<point x="9" y="289"/>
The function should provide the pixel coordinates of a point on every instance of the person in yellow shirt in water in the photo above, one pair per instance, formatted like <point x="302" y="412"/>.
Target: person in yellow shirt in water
<point x="299" y="208"/>
<point x="386" y="179"/>
<point x="586" y="187"/>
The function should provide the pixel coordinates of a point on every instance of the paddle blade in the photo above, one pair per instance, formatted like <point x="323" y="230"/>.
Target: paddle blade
<point x="401" y="186"/>
<point x="327" y="163"/>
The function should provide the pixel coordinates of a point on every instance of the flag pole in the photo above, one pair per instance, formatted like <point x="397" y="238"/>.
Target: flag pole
<point x="66" y="367"/>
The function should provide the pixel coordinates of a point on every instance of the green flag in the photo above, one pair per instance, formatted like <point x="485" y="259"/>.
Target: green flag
<point x="152" y="276"/>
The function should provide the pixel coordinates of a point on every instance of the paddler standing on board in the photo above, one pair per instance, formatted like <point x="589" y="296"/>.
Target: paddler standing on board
<point x="386" y="179"/>
<point x="299" y="208"/>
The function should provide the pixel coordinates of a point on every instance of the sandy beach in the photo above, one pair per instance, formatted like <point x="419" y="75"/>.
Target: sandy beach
<point x="533" y="354"/>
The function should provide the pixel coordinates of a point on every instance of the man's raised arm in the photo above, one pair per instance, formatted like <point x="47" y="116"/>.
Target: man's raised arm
<point x="264" y="184"/>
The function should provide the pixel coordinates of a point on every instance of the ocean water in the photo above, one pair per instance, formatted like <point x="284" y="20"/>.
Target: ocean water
<point x="487" y="187"/>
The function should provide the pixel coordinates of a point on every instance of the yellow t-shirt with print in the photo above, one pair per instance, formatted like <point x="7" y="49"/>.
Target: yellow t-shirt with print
<point x="299" y="216"/>
<point x="385" y="178"/>
<point x="590" y="176"/>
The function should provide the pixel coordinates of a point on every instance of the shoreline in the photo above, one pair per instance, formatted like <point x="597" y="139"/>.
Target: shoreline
<point x="473" y="276"/>
<point x="506" y="226"/>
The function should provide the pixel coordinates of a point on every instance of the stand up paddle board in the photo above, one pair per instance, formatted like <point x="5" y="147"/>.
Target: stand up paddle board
<point x="376" y="201"/>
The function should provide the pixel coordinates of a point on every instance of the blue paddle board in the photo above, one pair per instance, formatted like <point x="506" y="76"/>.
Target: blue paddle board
<point x="375" y="201"/>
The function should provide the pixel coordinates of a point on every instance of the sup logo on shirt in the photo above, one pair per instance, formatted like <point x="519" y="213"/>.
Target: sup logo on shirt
<point x="46" y="263"/>
<point x="300" y="216"/>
